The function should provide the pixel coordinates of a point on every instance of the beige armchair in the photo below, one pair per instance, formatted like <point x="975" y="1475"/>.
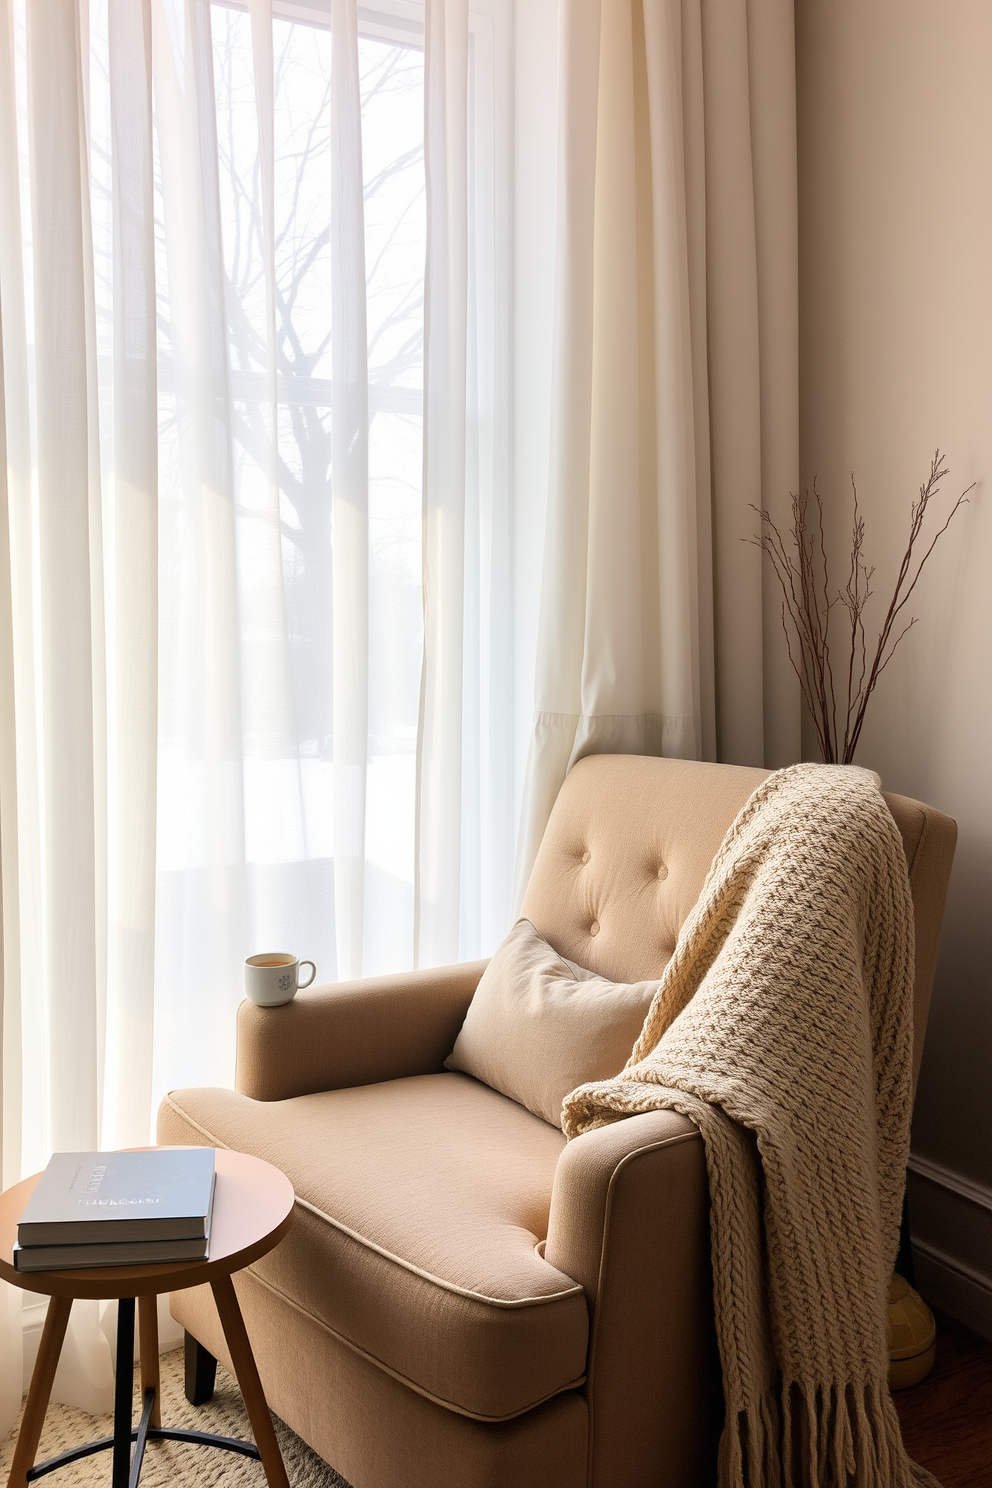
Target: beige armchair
<point x="465" y="1301"/>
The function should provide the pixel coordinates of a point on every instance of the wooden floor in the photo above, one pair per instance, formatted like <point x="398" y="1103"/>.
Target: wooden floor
<point x="947" y="1420"/>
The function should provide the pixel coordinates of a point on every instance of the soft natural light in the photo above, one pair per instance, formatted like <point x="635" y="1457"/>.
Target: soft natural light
<point x="288" y="802"/>
<point x="274" y="753"/>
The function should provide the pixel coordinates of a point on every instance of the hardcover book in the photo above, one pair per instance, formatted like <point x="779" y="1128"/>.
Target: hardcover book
<point x="125" y="1253"/>
<point x="88" y="1198"/>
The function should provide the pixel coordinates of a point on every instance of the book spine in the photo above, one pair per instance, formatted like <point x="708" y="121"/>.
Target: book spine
<point x="79" y="1257"/>
<point x="109" y="1231"/>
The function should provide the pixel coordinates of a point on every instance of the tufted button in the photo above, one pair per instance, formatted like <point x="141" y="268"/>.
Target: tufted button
<point x="586" y="856"/>
<point x="663" y="871"/>
<point x="594" y="928"/>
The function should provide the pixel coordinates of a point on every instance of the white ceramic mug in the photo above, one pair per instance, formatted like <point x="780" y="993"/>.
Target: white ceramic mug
<point x="273" y="977"/>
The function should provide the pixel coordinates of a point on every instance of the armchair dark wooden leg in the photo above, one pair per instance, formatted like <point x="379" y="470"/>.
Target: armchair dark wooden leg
<point x="201" y="1371"/>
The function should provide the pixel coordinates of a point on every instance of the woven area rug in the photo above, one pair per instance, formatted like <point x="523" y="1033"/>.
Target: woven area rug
<point x="172" y="1464"/>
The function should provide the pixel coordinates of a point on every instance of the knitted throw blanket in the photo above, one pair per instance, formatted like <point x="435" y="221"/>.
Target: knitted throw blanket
<point x="783" y="1028"/>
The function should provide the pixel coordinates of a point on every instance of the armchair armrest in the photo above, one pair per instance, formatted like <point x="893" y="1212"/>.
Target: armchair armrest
<point x="630" y="1220"/>
<point x="353" y="1033"/>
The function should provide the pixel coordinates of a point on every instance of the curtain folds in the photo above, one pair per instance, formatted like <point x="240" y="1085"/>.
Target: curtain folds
<point x="350" y="492"/>
<point x="205" y="708"/>
<point x="254" y="609"/>
<point x="675" y="393"/>
<point x="464" y="814"/>
<point x="10" y="1298"/>
<point x="135" y="568"/>
<point x="439" y="774"/>
<point x="56" y="761"/>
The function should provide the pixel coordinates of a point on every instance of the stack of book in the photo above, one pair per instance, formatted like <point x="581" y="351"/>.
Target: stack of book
<point x="118" y="1209"/>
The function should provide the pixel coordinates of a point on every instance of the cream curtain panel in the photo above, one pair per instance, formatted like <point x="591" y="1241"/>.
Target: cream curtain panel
<point x="248" y="613"/>
<point x="675" y="390"/>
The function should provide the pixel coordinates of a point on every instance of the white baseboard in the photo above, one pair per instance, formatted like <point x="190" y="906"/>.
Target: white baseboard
<point x="951" y="1220"/>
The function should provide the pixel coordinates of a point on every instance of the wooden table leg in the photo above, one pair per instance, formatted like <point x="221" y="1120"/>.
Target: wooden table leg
<point x="251" y="1386"/>
<point x="42" y="1379"/>
<point x="148" y="1353"/>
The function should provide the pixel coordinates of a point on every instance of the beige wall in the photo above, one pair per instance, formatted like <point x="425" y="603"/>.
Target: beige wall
<point x="895" y="171"/>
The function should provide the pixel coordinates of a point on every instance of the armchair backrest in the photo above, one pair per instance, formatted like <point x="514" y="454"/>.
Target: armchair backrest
<point x="631" y="839"/>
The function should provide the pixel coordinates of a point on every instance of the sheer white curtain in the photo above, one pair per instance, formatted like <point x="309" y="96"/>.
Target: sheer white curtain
<point x="465" y="741"/>
<point x="439" y="805"/>
<point x="254" y="597"/>
<point x="675" y="398"/>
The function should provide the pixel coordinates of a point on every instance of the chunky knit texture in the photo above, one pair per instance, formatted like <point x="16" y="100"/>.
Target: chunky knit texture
<point x="783" y="1028"/>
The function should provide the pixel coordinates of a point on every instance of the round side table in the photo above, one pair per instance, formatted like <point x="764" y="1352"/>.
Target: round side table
<point x="253" y="1210"/>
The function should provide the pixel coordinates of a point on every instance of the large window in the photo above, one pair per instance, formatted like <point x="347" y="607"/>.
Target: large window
<point x="192" y="783"/>
<point x="283" y="890"/>
<point x="391" y="72"/>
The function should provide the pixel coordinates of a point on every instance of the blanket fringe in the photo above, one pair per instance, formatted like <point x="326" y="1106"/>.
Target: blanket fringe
<point x="819" y="1436"/>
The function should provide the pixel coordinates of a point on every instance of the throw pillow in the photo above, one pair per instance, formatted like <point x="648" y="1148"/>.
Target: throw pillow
<point x="539" y="1025"/>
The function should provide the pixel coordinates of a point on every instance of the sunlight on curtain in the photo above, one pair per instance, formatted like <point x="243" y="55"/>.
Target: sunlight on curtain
<point x="675" y="392"/>
<point x="214" y="625"/>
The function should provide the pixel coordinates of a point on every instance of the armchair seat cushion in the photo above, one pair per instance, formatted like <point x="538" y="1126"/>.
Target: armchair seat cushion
<point x="420" y="1206"/>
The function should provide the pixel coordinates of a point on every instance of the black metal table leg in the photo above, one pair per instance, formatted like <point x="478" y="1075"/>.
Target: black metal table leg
<point x="123" y="1392"/>
<point x="141" y="1437"/>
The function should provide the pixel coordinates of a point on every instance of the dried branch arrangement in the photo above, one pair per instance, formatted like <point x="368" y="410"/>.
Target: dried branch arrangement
<point x="822" y="623"/>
